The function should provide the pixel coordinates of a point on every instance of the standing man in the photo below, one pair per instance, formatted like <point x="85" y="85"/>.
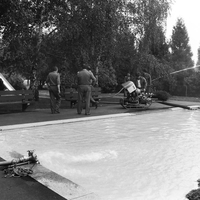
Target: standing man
<point x="53" y="82"/>
<point x="84" y="78"/>
<point x="141" y="82"/>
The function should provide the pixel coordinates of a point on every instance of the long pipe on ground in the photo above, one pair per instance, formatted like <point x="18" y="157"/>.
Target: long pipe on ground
<point x="174" y="105"/>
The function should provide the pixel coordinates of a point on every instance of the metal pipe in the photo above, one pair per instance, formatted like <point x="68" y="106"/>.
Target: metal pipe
<point x="178" y="71"/>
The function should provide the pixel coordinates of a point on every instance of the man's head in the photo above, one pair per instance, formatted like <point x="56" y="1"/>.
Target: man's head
<point x="88" y="67"/>
<point x="55" y="69"/>
<point x="138" y="75"/>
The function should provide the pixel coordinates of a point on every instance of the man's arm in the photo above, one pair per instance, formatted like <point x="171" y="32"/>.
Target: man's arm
<point x="93" y="77"/>
<point x="47" y="81"/>
<point x="145" y="83"/>
<point x="58" y="83"/>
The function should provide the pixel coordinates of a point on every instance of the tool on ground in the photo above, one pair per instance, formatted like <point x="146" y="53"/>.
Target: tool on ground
<point x="12" y="168"/>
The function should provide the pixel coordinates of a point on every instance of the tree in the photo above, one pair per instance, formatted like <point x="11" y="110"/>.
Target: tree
<point x="181" y="56"/>
<point x="193" y="80"/>
<point x="147" y="21"/>
<point x="114" y="35"/>
<point x="198" y="56"/>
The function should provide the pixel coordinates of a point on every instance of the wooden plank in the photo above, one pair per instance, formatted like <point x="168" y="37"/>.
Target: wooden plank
<point x="11" y="98"/>
<point x="72" y="95"/>
<point x="69" y="95"/>
<point x="96" y="91"/>
<point x="11" y="102"/>
<point x="27" y="91"/>
<point x="75" y="95"/>
<point x="23" y="97"/>
<point x="28" y="98"/>
<point x="68" y="90"/>
<point x="15" y="92"/>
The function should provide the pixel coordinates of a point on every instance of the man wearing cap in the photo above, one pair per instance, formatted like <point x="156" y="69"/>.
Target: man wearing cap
<point x="84" y="78"/>
<point x="53" y="82"/>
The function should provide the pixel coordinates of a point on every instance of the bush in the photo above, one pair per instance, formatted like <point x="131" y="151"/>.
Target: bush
<point x="162" y="95"/>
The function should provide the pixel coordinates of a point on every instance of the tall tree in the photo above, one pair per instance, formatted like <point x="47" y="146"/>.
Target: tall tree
<point x="198" y="56"/>
<point x="148" y="19"/>
<point x="105" y="33"/>
<point x="181" y="56"/>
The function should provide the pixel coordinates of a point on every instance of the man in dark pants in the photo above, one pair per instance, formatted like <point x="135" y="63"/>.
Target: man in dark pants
<point x="53" y="82"/>
<point x="84" y="78"/>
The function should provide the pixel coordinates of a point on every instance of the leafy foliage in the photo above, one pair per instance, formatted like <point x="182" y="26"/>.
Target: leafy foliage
<point x="113" y="36"/>
<point x="181" y="50"/>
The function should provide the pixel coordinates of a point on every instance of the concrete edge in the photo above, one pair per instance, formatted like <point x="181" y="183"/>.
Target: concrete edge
<point x="55" y="122"/>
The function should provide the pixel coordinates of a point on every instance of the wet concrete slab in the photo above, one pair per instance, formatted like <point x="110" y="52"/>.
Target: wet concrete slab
<point x="25" y="188"/>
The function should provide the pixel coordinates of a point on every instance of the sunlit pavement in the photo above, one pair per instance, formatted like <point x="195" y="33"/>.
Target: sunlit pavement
<point x="40" y="111"/>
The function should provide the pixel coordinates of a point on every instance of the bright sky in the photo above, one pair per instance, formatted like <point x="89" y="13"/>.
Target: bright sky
<point x="188" y="10"/>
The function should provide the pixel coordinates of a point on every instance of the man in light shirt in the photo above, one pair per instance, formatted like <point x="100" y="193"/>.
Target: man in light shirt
<point x="84" y="78"/>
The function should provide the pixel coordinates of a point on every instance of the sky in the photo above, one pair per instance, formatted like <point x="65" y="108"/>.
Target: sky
<point x="188" y="10"/>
